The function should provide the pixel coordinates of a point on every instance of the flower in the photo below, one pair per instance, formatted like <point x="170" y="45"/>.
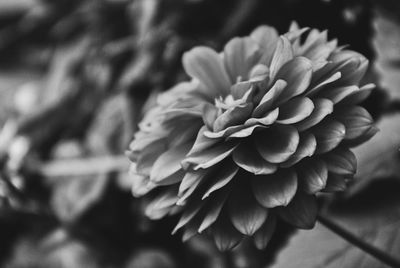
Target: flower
<point x="260" y="129"/>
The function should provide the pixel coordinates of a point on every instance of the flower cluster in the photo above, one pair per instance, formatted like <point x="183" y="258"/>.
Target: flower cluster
<point x="260" y="129"/>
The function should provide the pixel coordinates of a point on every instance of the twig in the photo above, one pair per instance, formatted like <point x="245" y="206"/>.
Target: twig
<point x="84" y="166"/>
<point x="356" y="241"/>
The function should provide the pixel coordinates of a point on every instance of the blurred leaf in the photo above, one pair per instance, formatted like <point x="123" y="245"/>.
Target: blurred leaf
<point x="379" y="157"/>
<point x="374" y="216"/>
<point x="55" y="250"/>
<point x="151" y="258"/>
<point x="72" y="197"/>
<point x="386" y="43"/>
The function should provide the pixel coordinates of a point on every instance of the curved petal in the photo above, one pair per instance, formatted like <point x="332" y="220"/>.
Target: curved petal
<point x="247" y="157"/>
<point x="321" y="78"/>
<point x="269" y="99"/>
<point x="276" y="189"/>
<point x="207" y="66"/>
<point x="240" y="55"/>
<point x="202" y="142"/>
<point x="322" y="107"/>
<point x="162" y="204"/>
<point x="245" y="132"/>
<point x="329" y="135"/>
<point x="210" y="114"/>
<point x="167" y="164"/>
<point x="141" y="184"/>
<point x="337" y="94"/>
<point x="264" y="234"/>
<point x="313" y="176"/>
<point x="277" y="143"/>
<point x="352" y="65"/>
<point x="226" y="236"/>
<point x="223" y="133"/>
<point x="233" y="116"/>
<point x="301" y="212"/>
<point x="213" y="210"/>
<point x="267" y="38"/>
<point x="341" y="161"/>
<point x="297" y="73"/>
<point x="192" y="177"/>
<point x="268" y="119"/>
<point x="148" y="156"/>
<point x="335" y="183"/>
<point x="245" y="213"/>
<point x="306" y="148"/>
<point x="358" y="96"/>
<point x="210" y="156"/>
<point x="295" y="110"/>
<point x="191" y="210"/>
<point x="357" y="121"/>
<point x="283" y="53"/>
<point x="221" y="178"/>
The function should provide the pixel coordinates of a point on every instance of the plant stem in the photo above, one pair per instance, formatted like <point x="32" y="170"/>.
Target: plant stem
<point x="356" y="241"/>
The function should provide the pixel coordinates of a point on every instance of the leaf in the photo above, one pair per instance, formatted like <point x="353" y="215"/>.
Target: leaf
<point x="386" y="45"/>
<point x="373" y="216"/>
<point x="379" y="157"/>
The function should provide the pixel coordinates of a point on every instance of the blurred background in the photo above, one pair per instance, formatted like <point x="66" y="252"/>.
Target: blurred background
<point x="75" y="79"/>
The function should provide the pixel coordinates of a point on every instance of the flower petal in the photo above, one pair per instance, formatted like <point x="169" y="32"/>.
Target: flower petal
<point x="213" y="210"/>
<point x="240" y="55"/>
<point x="306" y="148"/>
<point x="247" y="157"/>
<point x="267" y="38"/>
<point x="226" y="236"/>
<point x="245" y="213"/>
<point x="277" y="143"/>
<point x="335" y="183"/>
<point x="269" y="99"/>
<point x="297" y="73"/>
<point x="341" y="161"/>
<point x="167" y="164"/>
<point x="357" y="121"/>
<point x="322" y="107"/>
<point x="233" y="116"/>
<point x="223" y="133"/>
<point x="363" y="138"/>
<point x="352" y="65"/>
<point x="202" y="142"/>
<point x="224" y="175"/>
<point x="337" y="94"/>
<point x="283" y="53"/>
<point x="313" y="175"/>
<point x="210" y="114"/>
<point x="207" y="66"/>
<point x="295" y="110"/>
<point x="359" y="96"/>
<point x="148" y="156"/>
<point x="162" y="204"/>
<point x="245" y="132"/>
<point x="264" y="234"/>
<point x="238" y="90"/>
<point x="301" y="211"/>
<point x="276" y="189"/>
<point x="322" y="78"/>
<point x="210" y="156"/>
<point x="328" y="135"/>
<point x="190" y="178"/>
<point x="191" y="210"/>
<point x="141" y="184"/>
<point x="268" y="119"/>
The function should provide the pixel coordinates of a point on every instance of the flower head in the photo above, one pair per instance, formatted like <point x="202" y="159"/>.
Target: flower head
<point x="260" y="129"/>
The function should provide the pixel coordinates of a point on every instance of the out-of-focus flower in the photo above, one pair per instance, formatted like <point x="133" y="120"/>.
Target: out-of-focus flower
<point x="260" y="129"/>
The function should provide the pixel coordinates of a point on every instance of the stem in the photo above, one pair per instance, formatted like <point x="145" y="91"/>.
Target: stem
<point x="355" y="241"/>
